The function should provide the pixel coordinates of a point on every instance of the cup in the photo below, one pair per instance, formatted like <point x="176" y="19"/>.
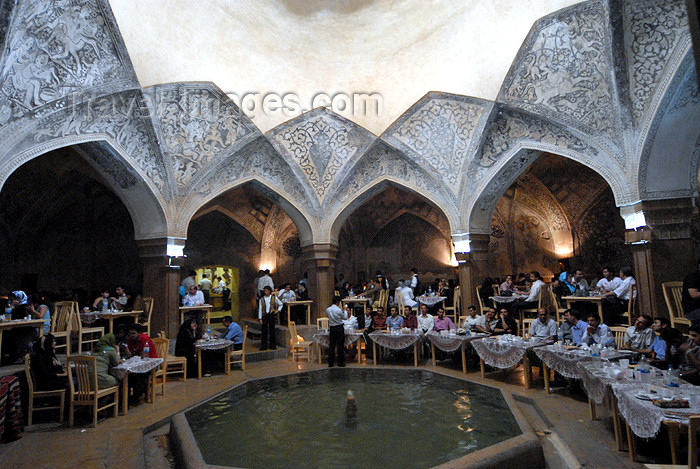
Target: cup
<point x="666" y="393"/>
<point x="625" y="363"/>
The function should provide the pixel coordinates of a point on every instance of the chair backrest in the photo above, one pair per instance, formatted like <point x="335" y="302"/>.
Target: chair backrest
<point x="673" y="292"/>
<point x="162" y="346"/>
<point x="495" y="287"/>
<point x="383" y="298"/>
<point x="545" y="298"/>
<point x="245" y="337"/>
<point x="619" y="332"/>
<point x="693" y="426"/>
<point x="460" y="321"/>
<point x="293" y="332"/>
<point x="321" y="323"/>
<point x="148" y="306"/>
<point x="399" y="300"/>
<point x="62" y="316"/>
<point x="85" y="371"/>
<point x="28" y="372"/>
<point x="481" y="303"/>
<point x="630" y="305"/>
<point x="527" y="322"/>
<point x="457" y="300"/>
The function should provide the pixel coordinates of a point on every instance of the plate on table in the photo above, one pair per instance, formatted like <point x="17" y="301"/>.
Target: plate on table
<point x="645" y="396"/>
<point x="600" y="374"/>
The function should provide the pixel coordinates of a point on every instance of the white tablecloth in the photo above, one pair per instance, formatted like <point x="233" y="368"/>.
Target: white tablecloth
<point x="213" y="344"/>
<point x="323" y="338"/>
<point x="136" y="365"/>
<point x="430" y="300"/>
<point x="502" y="353"/>
<point x="395" y="342"/>
<point x="450" y="343"/>
<point x="643" y="417"/>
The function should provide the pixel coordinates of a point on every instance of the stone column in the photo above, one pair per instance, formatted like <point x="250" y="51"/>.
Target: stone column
<point x="319" y="262"/>
<point x="161" y="282"/>
<point x="473" y="268"/>
<point x="662" y="250"/>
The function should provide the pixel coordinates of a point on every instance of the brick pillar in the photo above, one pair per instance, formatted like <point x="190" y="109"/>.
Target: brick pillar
<point x="319" y="262"/>
<point x="473" y="268"/>
<point x="162" y="283"/>
<point x="662" y="250"/>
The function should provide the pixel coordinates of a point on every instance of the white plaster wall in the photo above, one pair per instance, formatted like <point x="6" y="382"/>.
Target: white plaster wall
<point x="400" y="49"/>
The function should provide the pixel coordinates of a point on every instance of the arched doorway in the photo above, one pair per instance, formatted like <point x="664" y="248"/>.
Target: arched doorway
<point x="245" y="229"/>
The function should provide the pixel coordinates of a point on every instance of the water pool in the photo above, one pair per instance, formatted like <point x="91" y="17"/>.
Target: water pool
<point x="405" y="418"/>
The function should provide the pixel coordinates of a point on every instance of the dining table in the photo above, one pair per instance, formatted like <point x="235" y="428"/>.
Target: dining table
<point x="451" y="343"/>
<point x="358" y="299"/>
<point x="14" y="323"/>
<point x="322" y="339"/>
<point x="594" y="297"/>
<point x="506" y="351"/>
<point x="306" y="303"/>
<point x="200" y="310"/>
<point x="214" y="344"/>
<point x="430" y="300"/>
<point x="136" y="365"/>
<point x="109" y="316"/>
<point x="396" y="340"/>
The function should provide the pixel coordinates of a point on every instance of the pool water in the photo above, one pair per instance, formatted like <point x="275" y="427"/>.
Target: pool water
<point x="404" y="418"/>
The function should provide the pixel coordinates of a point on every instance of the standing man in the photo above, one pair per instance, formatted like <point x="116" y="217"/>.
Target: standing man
<point x="690" y="297"/>
<point x="267" y="308"/>
<point x="336" y="316"/>
<point x="414" y="281"/>
<point x="205" y="286"/>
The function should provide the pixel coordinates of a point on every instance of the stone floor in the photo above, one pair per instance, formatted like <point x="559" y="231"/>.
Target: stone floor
<point x="569" y="437"/>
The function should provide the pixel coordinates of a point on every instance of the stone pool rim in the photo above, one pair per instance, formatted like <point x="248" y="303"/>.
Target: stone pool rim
<point x="523" y="450"/>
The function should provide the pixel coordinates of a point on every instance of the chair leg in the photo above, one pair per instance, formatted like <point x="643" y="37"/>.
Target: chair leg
<point x="71" y="413"/>
<point x="116" y="403"/>
<point x="61" y="408"/>
<point x="30" y="410"/>
<point x="94" y="413"/>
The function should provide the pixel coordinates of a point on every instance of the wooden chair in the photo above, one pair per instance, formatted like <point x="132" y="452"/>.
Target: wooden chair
<point x="148" y="310"/>
<point x="240" y="354"/>
<point x="322" y="323"/>
<point x="460" y="321"/>
<point x="619" y="332"/>
<point x="60" y="394"/>
<point x="527" y="322"/>
<point x="556" y="305"/>
<point x="453" y="311"/>
<point x="383" y="300"/>
<point x="673" y="292"/>
<point x="630" y="306"/>
<point x="162" y="345"/>
<point x="495" y="287"/>
<point x="61" y="323"/>
<point x="85" y="335"/>
<point x="299" y="348"/>
<point x="87" y="393"/>
<point x="693" y="427"/>
<point x="173" y="365"/>
<point x="482" y="308"/>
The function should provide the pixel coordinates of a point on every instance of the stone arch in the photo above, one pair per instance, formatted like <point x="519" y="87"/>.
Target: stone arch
<point x="233" y="216"/>
<point x="274" y="192"/>
<point x="417" y="214"/>
<point x="479" y="208"/>
<point x="122" y="175"/>
<point x="671" y="145"/>
<point x="340" y="215"/>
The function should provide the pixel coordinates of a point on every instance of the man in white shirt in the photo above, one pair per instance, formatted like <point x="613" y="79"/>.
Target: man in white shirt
<point x="640" y="336"/>
<point x="471" y="320"/>
<point x="268" y="306"/>
<point x="609" y="282"/>
<point x="543" y="328"/>
<point x="205" y="286"/>
<point x="487" y="322"/>
<point x="265" y="281"/>
<point x="533" y="299"/>
<point x="336" y="316"/>
<point x="194" y="297"/>
<point x="426" y="322"/>
<point x="414" y="281"/>
<point x="597" y="332"/>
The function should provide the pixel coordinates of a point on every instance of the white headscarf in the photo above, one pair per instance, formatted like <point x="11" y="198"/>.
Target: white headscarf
<point x="21" y="296"/>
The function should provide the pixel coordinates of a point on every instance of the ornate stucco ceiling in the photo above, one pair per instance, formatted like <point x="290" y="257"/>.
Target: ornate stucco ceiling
<point x="398" y="49"/>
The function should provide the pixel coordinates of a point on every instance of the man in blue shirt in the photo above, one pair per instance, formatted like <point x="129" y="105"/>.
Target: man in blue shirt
<point x="394" y="321"/>
<point x="578" y="327"/>
<point x="234" y="333"/>
<point x="658" y="346"/>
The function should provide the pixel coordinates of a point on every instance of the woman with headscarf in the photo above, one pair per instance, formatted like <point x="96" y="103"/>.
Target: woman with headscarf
<point x="187" y="337"/>
<point x="48" y="371"/>
<point x="106" y="355"/>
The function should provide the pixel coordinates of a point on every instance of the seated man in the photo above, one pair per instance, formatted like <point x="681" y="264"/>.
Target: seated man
<point x="351" y="321"/>
<point x="233" y="333"/>
<point x="442" y="322"/>
<point x="364" y="321"/>
<point x="543" y="328"/>
<point x="507" y="287"/>
<point x="426" y="322"/>
<point x="690" y="296"/>
<point x="597" y="332"/>
<point x="690" y="356"/>
<point x="532" y="301"/>
<point x="609" y="282"/>
<point x="577" y="327"/>
<point x="379" y="321"/>
<point x="471" y="320"/>
<point x="658" y="347"/>
<point x="506" y="324"/>
<point x="137" y="344"/>
<point x="121" y="299"/>
<point x="394" y="321"/>
<point x="193" y="297"/>
<point x="410" y="321"/>
<point x="640" y="336"/>
<point x="487" y="321"/>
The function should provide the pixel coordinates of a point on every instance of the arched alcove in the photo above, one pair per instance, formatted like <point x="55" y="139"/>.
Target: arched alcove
<point x="394" y="231"/>
<point x="65" y="228"/>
